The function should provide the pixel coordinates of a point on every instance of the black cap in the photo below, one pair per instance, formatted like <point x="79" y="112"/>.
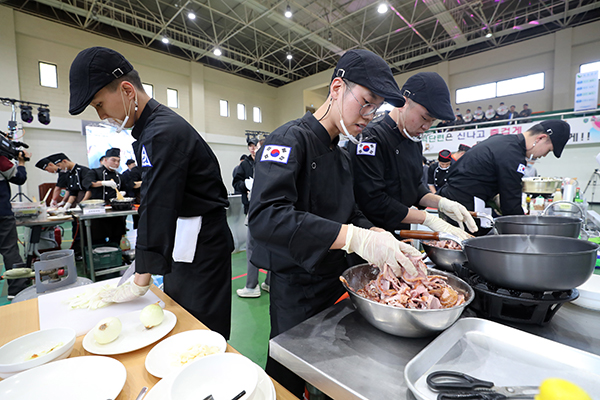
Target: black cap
<point x="464" y="147"/>
<point x="130" y="161"/>
<point x="56" y="158"/>
<point x="43" y="163"/>
<point x="560" y="133"/>
<point x="445" y="156"/>
<point x="114" y="152"/>
<point x="253" y="141"/>
<point x="429" y="90"/>
<point x="91" y="70"/>
<point x="371" y="71"/>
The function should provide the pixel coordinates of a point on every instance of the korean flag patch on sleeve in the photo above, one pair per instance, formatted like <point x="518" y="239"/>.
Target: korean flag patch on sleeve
<point x="521" y="169"/>
<point x="366" y="149"/>
<point x="278" y="154"/>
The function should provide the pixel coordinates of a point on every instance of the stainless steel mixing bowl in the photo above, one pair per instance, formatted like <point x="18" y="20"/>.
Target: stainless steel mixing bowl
<point x="401" y="321"/>
<point x="532" y="262"/>
<point x="444" y="258"/>
<point x="538" y="225"/>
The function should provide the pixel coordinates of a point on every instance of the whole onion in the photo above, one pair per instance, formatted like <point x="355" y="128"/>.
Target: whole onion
<point x="107" y="330"/>
<point x="152" y="316"/>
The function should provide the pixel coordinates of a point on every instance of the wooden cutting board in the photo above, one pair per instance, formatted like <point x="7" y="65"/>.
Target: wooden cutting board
<point x="55" y="312"/>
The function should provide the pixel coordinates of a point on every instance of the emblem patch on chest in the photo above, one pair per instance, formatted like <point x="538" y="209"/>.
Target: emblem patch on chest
<point x="145" y="159"/>
<point x="521" y="169"/>
<point x="279" y="154"/>
<point x="366" y="149"/>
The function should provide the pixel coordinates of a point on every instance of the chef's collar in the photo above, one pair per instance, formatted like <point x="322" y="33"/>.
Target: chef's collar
<point x="140" y="123"/>
<point x="319" y="130"/>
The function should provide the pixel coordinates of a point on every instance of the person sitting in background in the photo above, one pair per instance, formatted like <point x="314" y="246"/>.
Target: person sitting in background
<point x="502" y="111"/>
<point x="478" y="114"/>
<point x="458" y="122"/>
<point x="526" y="112"/>
<point x="457" y="113"/>
<point x="490" y="113"/>
<point x="62" y="182"/>
<point x="512" y="114"/>
<point x="468" y="117"/>
<point x="438" y="171"/>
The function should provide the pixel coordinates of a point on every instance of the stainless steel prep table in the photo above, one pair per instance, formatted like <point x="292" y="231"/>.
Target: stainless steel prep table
<point x="87" y="221"/>
<point x="345" y="357"/>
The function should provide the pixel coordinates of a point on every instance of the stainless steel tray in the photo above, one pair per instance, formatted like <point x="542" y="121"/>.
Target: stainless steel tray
<point x="506" y="356"/>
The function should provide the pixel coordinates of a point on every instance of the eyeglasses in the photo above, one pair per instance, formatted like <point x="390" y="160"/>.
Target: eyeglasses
<point x="365" y="109"/>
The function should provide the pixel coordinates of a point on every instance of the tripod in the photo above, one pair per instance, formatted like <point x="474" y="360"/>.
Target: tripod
<point x="593" y="180"/>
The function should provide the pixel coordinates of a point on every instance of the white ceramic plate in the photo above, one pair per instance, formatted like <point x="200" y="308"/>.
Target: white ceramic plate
<point x="589" y="294"/>
<point x="162" y="359"/>
<point x="89" y="378"/>
<point x="133" y="335"/>
<point x="265" y="390"/>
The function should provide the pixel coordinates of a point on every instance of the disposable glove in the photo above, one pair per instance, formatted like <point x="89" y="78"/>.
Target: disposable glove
<point x="380" y="248"/>
<point x="249" y="182"/>
<point x="53" y="203"/>
<point x="126" y="292"/>
<point x="438" y="225"/>
<point x="110" y="183"/>
<point x="457" y="212"/>
<point x="64" y="208"/>
<point x="62" y="203"/>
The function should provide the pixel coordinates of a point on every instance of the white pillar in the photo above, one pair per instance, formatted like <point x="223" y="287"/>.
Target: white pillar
<point x="9" y="84"/>
<point x="562" y="79"/>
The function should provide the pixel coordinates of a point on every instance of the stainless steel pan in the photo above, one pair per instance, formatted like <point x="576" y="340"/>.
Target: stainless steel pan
<point x="538" y="225"/>
<point x="443" y="258"/>
<point x="532" y="262"/>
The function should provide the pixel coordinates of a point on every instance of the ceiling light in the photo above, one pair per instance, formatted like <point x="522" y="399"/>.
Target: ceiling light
<point x="26" y="113"/>
<point x="44" y="115"/>
<point x="165" y="40"/>
<point x="289" y="56"/>
<point x="217" y="51"/>
<point x="382" y="9"/>
<point x="488" y="35"/>
<point x="288" y="12"/>
<point x="191" y="15"/>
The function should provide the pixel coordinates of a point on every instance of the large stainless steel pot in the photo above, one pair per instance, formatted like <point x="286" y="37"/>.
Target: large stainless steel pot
<point x="541" y="185"/>
<point x="444" y="258"/>
<point x="401" y="321"/>
<point x="538" y="225"/>
<point x="532" y="262"/>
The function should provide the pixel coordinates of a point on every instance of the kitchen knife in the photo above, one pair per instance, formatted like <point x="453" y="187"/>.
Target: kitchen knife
<point x="128" y="272"/>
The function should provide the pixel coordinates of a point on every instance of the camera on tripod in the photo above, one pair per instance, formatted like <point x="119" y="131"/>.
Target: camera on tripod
<point x="11" y="149"/>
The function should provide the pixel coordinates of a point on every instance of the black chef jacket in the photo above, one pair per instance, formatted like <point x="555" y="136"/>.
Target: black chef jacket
<point x="63" y="180"/>
<point x="388" y="174"/>
<point x="102" y="174"/>
<point x="76" y="178"/>
<point x="181" y="178"/>
<point x="244" y="171"/>
<point x="494" y="166"/>
<point x="437" y="176"/>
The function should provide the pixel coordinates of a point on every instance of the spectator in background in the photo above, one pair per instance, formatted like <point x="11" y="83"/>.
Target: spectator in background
<point x="478" y="114"/>
<point x="502" y="111"/>
<point x="490" y="113"/>
<point x="459" y="121"/>
<point x="512" y="114"/>
<point x="235" y="170"/>
<point x="244" y="177"/>
<point x="457" y="113"/>
<point x="468" y="117"/>
<point x="525" y="113"/>
<point x="530" y="171"/>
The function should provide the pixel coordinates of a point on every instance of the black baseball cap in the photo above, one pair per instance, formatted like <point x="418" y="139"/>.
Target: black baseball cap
<point x="130" y="161"/>
<point x="253" y="141"/>
<point x="559" y="132"/>
<point x="429" y="90"/>
<point x="43" y="163"/>
<point x="445" y="156"/>
<point x="367" y="69"/>
<point x="91" y="70"/>
<point x="56" y="158"/>
<point x="114" y="152"/>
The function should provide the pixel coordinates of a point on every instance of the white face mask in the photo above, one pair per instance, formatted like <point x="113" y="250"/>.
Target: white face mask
<point x="345" y="132"/>
<point x="415" y="139"/>
<point x="117" y="124"/>
<point x="443" y="169"/>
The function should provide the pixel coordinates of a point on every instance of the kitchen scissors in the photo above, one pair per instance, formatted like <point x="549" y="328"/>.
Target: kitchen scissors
<point x="456" y="385"/>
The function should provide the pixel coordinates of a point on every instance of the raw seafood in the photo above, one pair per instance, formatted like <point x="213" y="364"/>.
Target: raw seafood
<point x="415" y="292"/>
<point x="444" y="244"/>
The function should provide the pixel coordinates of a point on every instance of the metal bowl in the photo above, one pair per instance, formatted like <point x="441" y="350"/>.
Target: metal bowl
<point x="401" y="321"/>
<point x="541" y="185"/>
<point x="532" y="262"/>
<point x="92" y="204"/>
<point x="122" y="205"/>
<point x="444" y="258"/>
<point x="538" y="225"/>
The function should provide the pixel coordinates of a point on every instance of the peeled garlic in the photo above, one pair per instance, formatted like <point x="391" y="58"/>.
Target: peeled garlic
<point x="152" y="316"/>
<point x="107" y="330"/>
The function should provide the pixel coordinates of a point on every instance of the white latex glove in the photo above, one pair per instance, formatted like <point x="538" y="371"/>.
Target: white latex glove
<point x="249" y="182"/>
<point x="457" y="212"/>
<point x="53" y="204"/>
<point x="62" y="203"/>
<point x="380" y="248"/>
<point x="439" y="225"/>
<point x="67" y="206"/>
<point x="110" y="183"/>
<point x="126" y="292"/>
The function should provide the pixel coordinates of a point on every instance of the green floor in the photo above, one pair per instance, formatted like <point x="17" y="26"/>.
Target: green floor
<point x="250" y="317"/>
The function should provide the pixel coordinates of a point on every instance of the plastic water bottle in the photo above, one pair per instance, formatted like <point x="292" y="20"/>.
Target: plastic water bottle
<point x="557" y="196"/>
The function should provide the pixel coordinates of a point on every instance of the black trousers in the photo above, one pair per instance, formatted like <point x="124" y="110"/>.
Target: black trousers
<point x="9" y="249"/>
<point x="203" y="287"/>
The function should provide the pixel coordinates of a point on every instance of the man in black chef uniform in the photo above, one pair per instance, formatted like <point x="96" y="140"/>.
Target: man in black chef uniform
<point x="75" y="174"/>
<point x="183" y="232"/>
<point x="496" y="166"/>
<point x="61" y="182"/>
<point x="438" y="171"/>
<point x="103" y="183"/>
<point x="387" y="165"/>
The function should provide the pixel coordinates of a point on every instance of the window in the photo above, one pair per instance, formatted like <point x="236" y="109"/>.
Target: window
<point x="522" y="84"/>
<point x="241" y="108"/>
<point x="172" y="98"/>
<point x="256" y="115"/>
<point x="48" y="75"/>
<point x="149" y="89"/>
<point x="589" y="67"/>
<point x="224" y="108"/>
